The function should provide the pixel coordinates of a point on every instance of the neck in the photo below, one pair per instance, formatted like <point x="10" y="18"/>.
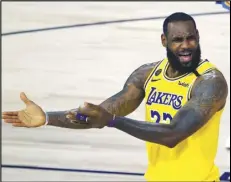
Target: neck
<point x="172" y="73"/>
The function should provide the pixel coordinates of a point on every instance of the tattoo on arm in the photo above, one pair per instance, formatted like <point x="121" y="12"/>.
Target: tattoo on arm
<point x="210" y="93"/>
<point x="128" y="99"/>
<point x="121" y="104"/>
<point x="208" y="96"/>
<point x="59" y="119"/>
<point x="124" y="102"/>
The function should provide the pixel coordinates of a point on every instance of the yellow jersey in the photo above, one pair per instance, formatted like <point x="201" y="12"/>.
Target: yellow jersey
<point x="193" y="158"/>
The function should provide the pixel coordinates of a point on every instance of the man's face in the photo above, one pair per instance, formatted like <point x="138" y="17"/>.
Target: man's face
<point x="183" y="49"/>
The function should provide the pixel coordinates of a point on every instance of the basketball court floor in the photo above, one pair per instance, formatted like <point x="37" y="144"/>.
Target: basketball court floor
<point x="64" y="53"/>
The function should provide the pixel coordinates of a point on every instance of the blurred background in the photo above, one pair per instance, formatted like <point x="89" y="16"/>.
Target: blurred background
<point x="64" y="53"/>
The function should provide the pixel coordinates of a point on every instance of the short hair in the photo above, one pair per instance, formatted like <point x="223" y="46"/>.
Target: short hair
<point x="178" y="16"/>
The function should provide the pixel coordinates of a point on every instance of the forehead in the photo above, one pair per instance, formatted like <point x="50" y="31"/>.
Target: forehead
<point x="181" y="28"/>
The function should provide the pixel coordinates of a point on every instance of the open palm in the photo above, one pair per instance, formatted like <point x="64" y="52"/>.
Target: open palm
<point x="31" y="116"/>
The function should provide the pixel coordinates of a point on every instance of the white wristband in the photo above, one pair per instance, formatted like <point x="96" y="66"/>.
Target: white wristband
<point x="47" y="119"/>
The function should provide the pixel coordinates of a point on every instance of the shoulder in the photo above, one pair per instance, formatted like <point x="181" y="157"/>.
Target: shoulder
<point x="139" y="75"/>
<point x="210" y="89"/>
<point x="145" y="69"/>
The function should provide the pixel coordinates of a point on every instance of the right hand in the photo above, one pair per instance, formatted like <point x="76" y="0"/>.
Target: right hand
<point x="31" y="116"/>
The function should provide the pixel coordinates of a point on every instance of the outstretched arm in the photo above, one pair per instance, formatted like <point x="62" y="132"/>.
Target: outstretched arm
<point x="132" y="94"/>
<point x="120" y="104"/>
<point x="208" y="96"/>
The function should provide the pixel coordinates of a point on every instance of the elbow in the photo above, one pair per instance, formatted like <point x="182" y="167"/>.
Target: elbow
<point x="172" y="142"/>
<point x="171" y="145"/>
<point x="174" y="139"/>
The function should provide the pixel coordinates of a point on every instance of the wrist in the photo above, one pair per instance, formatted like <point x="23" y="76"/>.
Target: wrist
<point x="47" y="119"/>
<point x="112" y="122"/>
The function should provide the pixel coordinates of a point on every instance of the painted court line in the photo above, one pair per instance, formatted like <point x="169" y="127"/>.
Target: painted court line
<point x="70" y="170"/>
<point x="104" y="23"/>
<point x="224" y="177"/>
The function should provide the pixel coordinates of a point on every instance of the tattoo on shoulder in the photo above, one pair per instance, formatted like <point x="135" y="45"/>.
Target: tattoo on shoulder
<point x="132" y="94"/>
<point x="139" y="76"/>
<point x="210" y="92"/>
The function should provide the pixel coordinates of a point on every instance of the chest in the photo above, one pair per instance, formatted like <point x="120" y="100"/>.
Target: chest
<point x="164" y="98"/>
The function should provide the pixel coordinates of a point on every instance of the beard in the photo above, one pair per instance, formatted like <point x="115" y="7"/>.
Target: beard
<point x="191" y="66"/>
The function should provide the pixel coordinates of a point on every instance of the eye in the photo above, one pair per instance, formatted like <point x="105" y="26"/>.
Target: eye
<point x="192" y="37"/>
<point x="177" y="39"/>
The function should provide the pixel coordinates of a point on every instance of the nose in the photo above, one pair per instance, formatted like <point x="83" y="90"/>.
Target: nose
<point x="185" y="44"/>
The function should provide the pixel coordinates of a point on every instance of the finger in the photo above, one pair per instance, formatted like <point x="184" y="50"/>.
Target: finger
<point x="79" y="122"/>
<point x="90" y="105"/>
<point x="25" y="99"/>
<point x="74" y="119"/>
<point x="19" y="125"/>
<point x="91" y="109"/>
<point x="87" y="111"/>
<point x="10" y="113"/>
<point x="71" y="116"/>
<point x="72" y="112"/>
<point x="9" y="117"/>
<point x="12" y="121"/>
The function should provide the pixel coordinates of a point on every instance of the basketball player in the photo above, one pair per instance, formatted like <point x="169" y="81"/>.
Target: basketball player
<point x="184" y="95"/>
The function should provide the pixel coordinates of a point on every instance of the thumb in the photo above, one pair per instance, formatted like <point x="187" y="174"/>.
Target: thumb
<point x="25" y="99"/>
<point x="89" y="105"/>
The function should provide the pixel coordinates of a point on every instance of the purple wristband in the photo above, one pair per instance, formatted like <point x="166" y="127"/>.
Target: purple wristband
<point x="81" y="117"/>
<point x="112" y="122"/>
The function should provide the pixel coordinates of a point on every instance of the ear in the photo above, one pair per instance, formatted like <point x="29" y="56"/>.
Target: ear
<point x="164" y="40"/>
<point x="198" y="35"/>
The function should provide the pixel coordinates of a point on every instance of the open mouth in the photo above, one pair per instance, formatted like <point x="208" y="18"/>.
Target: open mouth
<point x="185" y="57"/>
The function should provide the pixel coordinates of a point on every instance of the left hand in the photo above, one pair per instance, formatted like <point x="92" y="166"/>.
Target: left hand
<point x="97" y="116"/>
<point x="30" y="117"/>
